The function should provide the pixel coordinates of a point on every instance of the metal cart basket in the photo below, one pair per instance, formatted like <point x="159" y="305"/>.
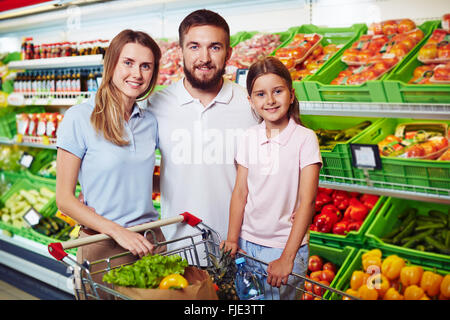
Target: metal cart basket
<point x="203" y="238"/>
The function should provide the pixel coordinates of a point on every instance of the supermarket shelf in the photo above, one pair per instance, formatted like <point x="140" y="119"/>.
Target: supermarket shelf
<point x="48" y="98"/>
<point x="32" y="258"/>
<point x="26" y="144"/>
<point x="386" y="110"/>
<point x="395" y="190"/>
<point x="63" y="62"/>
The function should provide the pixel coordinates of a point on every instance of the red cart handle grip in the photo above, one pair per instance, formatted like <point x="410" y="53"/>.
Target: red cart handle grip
<point x="191" y="219"/>
<point x="57" y="251"/>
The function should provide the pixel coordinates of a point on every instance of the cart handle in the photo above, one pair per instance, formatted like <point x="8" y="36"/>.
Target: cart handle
<point x="56" y="249"/>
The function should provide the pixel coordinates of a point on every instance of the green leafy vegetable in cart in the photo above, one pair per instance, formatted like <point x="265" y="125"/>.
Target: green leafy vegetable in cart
<point x="146" y="272"/>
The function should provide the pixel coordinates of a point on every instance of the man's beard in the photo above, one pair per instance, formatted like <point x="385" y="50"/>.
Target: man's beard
<point x="204" y="84"/>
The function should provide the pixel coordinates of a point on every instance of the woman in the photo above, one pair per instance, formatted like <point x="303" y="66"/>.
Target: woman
<point x="108" y="144"/>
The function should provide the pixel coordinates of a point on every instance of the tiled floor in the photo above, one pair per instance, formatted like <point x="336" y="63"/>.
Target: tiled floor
<point x="9" y="292"/>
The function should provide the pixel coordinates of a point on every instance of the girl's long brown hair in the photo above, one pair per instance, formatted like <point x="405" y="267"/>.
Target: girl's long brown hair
<point x="268" y="65"/>
<point x="109" y="112"/>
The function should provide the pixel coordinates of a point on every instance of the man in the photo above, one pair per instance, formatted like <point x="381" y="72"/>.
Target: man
<point x="200" y="118"/>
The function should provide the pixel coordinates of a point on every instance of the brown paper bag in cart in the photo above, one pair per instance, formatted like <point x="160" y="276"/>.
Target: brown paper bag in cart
<point x="200" y="288"/>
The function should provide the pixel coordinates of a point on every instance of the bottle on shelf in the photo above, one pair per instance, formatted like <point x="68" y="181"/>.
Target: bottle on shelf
<point x="249" y="286"/>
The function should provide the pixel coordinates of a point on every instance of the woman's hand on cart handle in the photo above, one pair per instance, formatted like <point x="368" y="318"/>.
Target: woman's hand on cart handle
<point x="135" y="242"/>
<point x="278" y="271"/>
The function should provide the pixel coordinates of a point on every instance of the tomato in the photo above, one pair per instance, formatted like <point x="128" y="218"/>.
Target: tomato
<point x="307" y="296"/>
<point x="315" y="263"/>
<point x="429" y="147"/>
<point x="415" y="151"/>
<point x="416" y="34"/>
<point x="442" y="74"/>
<point x="316" y="275"/>
<point x="330" y="266"/>
<point x="308" y="285"/>
<point x="409" y="43"/>
<point x="365" y="54"/>
<point x="175" y="281"/>
<point x="327" y="275"/>
<point x="399" y="49"/>
<point x="318" y="290"/>
<point x="331" y="48"/>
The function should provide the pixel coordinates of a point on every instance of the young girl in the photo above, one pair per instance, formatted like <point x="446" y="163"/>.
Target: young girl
<point x="108" y="144"/>
<point x="278" y="162"/>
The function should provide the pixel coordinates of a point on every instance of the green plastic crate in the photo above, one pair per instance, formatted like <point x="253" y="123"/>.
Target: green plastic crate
<point x="23" y="184"/>
<point x="356" y="264"/>
<point x="426" y="176"/>
<point x="8" y="128"/>
<point x="340" y="36"/>
<point x="353" y="238"/>
<point x="337" y="162"/>
<point x="318" y="87"/>
<point x="398" y="90"/>
<point x="387" y="220"/>
<point x="341" y="257"/>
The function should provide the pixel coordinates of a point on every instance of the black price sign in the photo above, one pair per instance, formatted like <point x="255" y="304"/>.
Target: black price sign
<point x="366" y="156"/>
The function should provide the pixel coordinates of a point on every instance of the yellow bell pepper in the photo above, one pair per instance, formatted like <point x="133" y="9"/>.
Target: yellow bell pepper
<point x="445" y="286"/>
<point x="366" y="293"/>
<point x="392" y="294"/>
<point x="414" y="293"/>
<point x="431" y="283"/>
<point x="411" y="275"/>
<point x="380" y="283"/>
<point x="351" y="292"/>
<point x="358" y="279"/>
<point x="373" y="261"/>
<point x="374" y="252"/>
<point x="392" y="266"/>
<point x="173" y="281"/>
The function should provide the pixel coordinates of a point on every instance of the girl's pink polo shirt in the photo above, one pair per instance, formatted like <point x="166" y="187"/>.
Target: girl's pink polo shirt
<point x="274" y="167"/>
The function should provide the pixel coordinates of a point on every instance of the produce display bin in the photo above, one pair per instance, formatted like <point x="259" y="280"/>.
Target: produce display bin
<point x="356" y="264"/>
<point x="8" y="127"/>
<point x="387" y="220"/>
<point x="337" y="162"/>
<point x="398" y="90"/>
<point x="24" y="184"/>
<point x="340" y="36"/>
<point x="341" y="257"/>
<point x="318" y="87"/>
<point x="427" y="176"/>
<point x="353" y="238"/>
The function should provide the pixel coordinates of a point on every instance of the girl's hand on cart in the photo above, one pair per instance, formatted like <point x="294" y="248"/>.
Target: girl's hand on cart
<point x="230" y="245"/>
<point x="135" y="242"/>
<point x="278" y="271"/>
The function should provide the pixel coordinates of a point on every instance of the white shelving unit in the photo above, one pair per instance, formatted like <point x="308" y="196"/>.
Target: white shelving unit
<point x="62" y="62"/>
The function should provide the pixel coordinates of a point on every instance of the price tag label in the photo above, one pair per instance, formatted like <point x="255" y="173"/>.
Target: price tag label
<point x="45" y="140"/>
<point x="26" y="160"/>
<point x="241" y="77"/>
<point x="32" y="217"/>
<point x="365" y="156"/>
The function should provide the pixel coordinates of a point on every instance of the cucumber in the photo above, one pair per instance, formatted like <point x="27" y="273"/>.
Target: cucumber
<point x="430" y="226"/>
<point x="394" y="231"/>
<point x="418" y="236"/>
<point x="405" y="232"/>
<point x="437" y="245"/>
<point x="439" y="215"/>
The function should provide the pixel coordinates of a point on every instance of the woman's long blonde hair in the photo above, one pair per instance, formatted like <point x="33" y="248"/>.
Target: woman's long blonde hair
<point x="109" y="112"/>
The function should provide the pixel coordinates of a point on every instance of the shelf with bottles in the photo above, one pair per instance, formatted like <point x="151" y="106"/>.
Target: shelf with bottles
<point x="60" y="62"/>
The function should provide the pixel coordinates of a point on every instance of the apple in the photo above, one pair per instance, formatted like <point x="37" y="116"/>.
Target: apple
<point x="389" y="27"/>
<point x="428" y="51"/>
<point x="443" y="50"/>
<point x="406" y="25"/>
<point x="315" y="263"/>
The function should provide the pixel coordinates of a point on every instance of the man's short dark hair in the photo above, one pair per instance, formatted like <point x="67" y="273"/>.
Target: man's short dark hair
<point x="203" y="17"/>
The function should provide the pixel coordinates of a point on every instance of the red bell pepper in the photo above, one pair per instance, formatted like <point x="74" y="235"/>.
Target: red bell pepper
<point x="312" y="227"/>
<point x="341" y="227"/>
<point x="340" y="199"/>
<point x="326" y="219"/>
<point x="356" y="211"/>
<point x="322" y="199"/>
<point x="327" y="191"/>
<point x="354" y="226"/>
<point x="369" y="200"/>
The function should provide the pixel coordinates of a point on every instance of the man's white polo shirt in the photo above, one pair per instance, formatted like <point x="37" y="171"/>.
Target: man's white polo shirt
<point x="198" y="148"/>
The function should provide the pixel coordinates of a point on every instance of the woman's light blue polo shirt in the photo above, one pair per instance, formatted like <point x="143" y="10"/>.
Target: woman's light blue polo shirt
<point x="116" y="181"/>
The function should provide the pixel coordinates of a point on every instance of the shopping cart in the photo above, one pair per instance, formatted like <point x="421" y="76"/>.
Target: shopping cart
<point x="205" y="238"/>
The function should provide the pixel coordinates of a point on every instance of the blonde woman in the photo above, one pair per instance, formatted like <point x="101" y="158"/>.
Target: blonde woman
<point x="108" y="145"/>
